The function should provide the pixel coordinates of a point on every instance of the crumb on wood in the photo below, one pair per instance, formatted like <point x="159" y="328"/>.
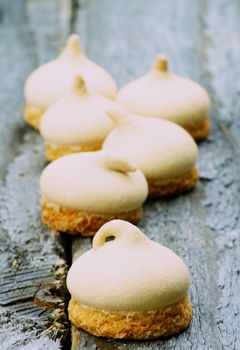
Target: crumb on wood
<point x="15" y="263"/>
<point x="60" y="269"/>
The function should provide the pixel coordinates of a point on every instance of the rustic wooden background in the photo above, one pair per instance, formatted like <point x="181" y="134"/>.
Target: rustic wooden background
<point x="202" y="40"/>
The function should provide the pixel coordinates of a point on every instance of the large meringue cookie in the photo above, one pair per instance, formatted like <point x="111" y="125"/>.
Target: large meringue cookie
<point x="129" y="273"/>
<point x="129" y="286"/>
<point x="76" y="122"/>
<point x="164" y="95"/>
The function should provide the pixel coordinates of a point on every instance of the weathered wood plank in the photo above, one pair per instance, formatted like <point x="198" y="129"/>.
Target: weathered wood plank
<point x="33" y="262"/>
<point x="201" y="227"/>
<point x="221" y="27"/>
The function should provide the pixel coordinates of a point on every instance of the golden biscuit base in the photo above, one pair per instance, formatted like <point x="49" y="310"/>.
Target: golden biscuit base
<point x="33" y="115"/>
<point x="73" y="221"/>
<point x="53" y="152"/>
<point x="200" y="131"/>
<point x="172" y="187"/>
<point x="163" y="322"/>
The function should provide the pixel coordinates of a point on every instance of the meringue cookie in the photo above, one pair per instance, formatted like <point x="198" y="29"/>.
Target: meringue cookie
<point x="77" y="122"/>
<point x="82" y="191"/>
<point x="128" y="278"/>
<point x="162" y="150"/>
<point x="165" y="95"/>
<point x="53" y="80"/>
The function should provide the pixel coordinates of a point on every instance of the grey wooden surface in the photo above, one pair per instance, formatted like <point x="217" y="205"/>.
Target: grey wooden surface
<point x="33" y="262"/>
<point x="201" y="39"/>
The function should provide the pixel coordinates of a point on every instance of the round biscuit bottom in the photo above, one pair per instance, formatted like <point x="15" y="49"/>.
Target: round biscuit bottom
<point x="200" y="131"/>
<point x="73" y="221"/>
<point x="172" y="187"/>
<point x="163" y="322"/>
<point x="33" y="115"/>
<point x="53" y="151"/>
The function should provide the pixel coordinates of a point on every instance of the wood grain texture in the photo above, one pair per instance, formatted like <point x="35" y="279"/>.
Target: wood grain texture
<point x="202" y="227"/>
<point x="33" y="261"/>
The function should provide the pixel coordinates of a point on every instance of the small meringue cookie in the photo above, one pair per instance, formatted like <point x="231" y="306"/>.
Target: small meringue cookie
<point x="53" y="80"/>
<point x="162" y="94"/>
<point x="162" y="150"/>
<point x="82" y="191"/>
<point x="77" y="122"/>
